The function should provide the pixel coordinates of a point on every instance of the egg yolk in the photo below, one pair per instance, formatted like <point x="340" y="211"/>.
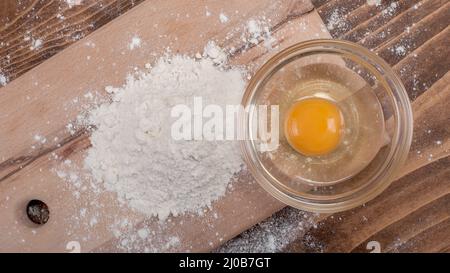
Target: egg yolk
<point x="313" y="126"/>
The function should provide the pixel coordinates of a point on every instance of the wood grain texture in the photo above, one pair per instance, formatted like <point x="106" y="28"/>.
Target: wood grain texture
<point x="412" y="215"/>
<point x="53" y="22"/>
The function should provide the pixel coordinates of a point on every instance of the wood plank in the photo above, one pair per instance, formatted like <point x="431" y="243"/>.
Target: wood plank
<point x="52" y="21"/>
<point x="27" y="172"/>
<point x="357" y="17"/>
<point x="335" y="13"/>
<point x="422" y="31"/>
<point x="401" y="233"/>
<point x="425" y="65"/>
<point x="318" y="3"/>
<point x="401" y="23"/>
<point x="421" y="242"/>
<point x="431" y="136"/>
<point x="391" y="9"/>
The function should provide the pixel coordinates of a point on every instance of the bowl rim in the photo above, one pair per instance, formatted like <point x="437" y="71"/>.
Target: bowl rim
<point x="402" y="115"/>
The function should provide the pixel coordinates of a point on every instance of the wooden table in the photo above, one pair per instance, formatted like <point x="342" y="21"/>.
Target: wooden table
<point x="413" y="36"/>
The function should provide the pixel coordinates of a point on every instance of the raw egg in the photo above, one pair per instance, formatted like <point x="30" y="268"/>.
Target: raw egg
<point x="313" y="126"/>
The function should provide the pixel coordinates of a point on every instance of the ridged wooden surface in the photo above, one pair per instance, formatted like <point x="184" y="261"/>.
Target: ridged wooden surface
<point x="54" y="22"/>
<point x="413" y="214"/>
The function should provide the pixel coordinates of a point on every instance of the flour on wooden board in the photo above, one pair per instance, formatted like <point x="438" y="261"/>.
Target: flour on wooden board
<point x="134" y="43"/>
<point x="72" y="3"/>
<point x="36" y="44"/>
<point x="259" y="30"/>
<point x="154" y="177"/>
<point x="144" y="175"/>
<point x="271" y="235"/>
<point x="152" y="174"/>
<point x="133" y="153"/>
<point x="3" y="79"/>
<point x="373" y="2"/>
<point x="223" y="18"/>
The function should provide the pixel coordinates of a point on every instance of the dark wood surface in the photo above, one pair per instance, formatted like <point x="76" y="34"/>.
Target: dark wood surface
<point x="54" y="22"/>
<point x="413" y="214"/>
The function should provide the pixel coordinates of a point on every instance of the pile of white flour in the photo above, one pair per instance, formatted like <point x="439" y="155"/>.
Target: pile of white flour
<point x="133" y="153"/>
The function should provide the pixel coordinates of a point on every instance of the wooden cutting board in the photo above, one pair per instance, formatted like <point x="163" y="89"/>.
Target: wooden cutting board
<point x="41" y="102"/>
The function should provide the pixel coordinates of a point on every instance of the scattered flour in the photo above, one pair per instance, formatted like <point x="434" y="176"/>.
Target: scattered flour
<point x="255" y="30"/>
<point x="400" y="50"/>
<point x="36" y="44"/>
<point x="73" y="3"/>
<point x="3" y="80"/>
<point x="254" y="27"/>
<point x="337" y="20"/>
<point x="374" y="2"/>
<point x="89" y="44"/>
<point x="143" y="233"/>
<point x="390" y="10"/>
<point x="223" y="18"/>
<point x="40" y="139"/>
<point x="273" y="234"/>
<point x="134" y="43"/>
<point x="214" y="52"/>
<point x="259" y="29"/>
<point x="133" y="153"/>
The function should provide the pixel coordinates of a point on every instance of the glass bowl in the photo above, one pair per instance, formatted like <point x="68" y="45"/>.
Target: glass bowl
<point x="379" y="143"/>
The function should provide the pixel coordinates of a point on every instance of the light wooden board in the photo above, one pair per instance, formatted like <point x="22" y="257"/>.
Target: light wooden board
<point x="40" y="102"/>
